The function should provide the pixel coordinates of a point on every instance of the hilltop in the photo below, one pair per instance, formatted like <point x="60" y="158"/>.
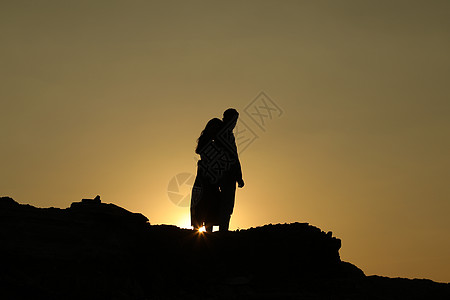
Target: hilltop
<point x="94" y="250"/>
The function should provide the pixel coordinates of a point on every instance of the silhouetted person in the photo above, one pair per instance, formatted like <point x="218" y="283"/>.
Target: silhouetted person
<point x="231" y="172"/>
<point x="205" y="192"/>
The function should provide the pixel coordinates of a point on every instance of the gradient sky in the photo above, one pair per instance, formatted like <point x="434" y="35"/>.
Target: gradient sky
<point x="109" y="97"/>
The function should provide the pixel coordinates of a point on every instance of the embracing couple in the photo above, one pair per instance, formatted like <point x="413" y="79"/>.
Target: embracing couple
<point x="218" y="171"/>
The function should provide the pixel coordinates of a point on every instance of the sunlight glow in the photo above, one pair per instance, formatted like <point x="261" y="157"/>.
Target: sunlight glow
<point x="184" y="222"/>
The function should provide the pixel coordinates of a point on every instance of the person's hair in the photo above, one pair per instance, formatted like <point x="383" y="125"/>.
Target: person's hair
<point x="230" y="115"/>
<point x="212" y="128"/>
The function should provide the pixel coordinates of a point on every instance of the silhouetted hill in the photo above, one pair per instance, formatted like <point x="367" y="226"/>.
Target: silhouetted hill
<point x="94" y="250"/>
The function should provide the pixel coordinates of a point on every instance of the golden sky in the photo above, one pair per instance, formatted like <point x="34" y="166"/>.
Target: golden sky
<point x="109" y="97"/>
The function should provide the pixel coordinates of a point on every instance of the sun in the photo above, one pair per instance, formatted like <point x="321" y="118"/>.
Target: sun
<point x="185" y="223"/>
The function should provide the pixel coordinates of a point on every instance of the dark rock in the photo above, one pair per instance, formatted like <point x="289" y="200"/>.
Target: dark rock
<point x="7" y="202"/>
<point x="96" y="200"/>
<point x="95" y="250"/>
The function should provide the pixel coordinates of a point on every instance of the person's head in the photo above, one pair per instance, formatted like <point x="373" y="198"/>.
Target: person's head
<point x="212" y="128"/>
<point x="230" y="117"/>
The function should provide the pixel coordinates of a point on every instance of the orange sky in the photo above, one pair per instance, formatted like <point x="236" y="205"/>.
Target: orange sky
<point x="108" y="98"/>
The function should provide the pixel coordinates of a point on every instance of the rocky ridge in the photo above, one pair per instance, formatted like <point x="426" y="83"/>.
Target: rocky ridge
<point x="94" y="250"/>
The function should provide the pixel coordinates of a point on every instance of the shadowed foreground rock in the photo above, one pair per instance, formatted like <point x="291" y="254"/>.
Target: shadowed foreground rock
<point x="94" y="250"/>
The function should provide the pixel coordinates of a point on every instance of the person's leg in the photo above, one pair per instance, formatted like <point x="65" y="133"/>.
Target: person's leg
<point x="228" y="192"/>
<point x="224" y="222"/>
<point x="211" y="198"/>
<point x="209" y="228"/>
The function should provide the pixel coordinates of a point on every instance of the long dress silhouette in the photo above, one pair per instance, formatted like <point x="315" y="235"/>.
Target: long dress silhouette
<point x="205" y="199"/>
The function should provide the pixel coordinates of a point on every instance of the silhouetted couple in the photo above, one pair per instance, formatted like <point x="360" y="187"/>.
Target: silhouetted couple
<point x="218" y="171"/>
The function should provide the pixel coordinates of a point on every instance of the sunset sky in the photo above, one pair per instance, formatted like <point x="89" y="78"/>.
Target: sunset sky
<point x="108" y="97"/>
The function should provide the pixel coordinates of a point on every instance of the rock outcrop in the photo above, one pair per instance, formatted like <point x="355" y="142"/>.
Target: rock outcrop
<point x="94" y="250"/>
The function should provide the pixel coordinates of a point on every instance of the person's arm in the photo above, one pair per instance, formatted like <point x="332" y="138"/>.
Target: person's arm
<point x="239" y="179"/>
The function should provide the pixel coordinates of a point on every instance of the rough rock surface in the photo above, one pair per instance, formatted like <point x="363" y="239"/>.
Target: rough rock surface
<point x="94" y="250"/>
